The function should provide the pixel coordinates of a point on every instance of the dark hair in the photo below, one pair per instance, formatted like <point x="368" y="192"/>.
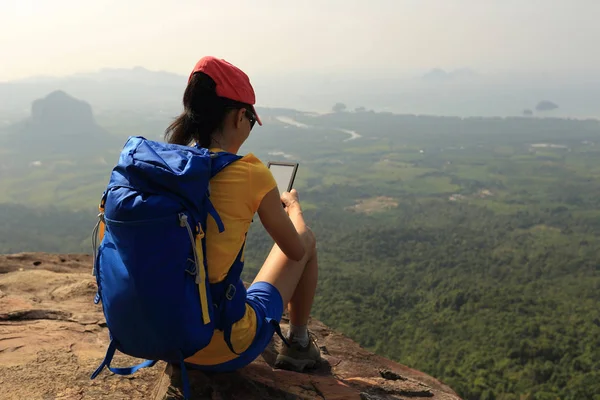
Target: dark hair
<point x="203" y="113"/>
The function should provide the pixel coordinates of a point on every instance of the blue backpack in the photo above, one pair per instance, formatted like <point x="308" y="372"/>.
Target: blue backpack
<point x="150" y="265"/>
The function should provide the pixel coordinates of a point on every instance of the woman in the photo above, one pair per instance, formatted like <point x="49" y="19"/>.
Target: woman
<point x="219" y="115"/>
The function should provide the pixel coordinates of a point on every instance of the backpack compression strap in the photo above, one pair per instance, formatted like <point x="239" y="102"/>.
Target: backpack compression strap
<point x="223" y="294"/>
<point x="110" y="353"/>
<point x="229" y="287"/>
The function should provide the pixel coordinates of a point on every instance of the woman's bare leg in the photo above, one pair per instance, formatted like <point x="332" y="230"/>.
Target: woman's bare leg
<point x="295" y="280"/>
<point x="301" y="302"/>
<point x="297" y="283"/>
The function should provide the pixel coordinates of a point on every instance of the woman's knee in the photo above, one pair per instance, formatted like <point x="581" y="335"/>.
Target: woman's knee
<point x="310" y="241"/>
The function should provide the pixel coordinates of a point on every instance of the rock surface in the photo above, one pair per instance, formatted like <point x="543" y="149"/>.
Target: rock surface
<point x="52" y="337"/>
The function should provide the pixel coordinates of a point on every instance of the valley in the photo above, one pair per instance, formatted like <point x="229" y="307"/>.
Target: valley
<point x="464" y="247"/>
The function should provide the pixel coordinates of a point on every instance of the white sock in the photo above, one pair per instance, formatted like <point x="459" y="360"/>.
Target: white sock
<point x="299" y="333"/>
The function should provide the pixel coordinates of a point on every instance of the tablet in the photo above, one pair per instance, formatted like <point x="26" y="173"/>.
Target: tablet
<point x="284" y="174"/>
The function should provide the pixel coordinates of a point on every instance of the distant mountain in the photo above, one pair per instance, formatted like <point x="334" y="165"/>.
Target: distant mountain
<point x="448" y="92"/>
<point x="440" y="75"/>
<point x="59" y="124"/>
<point x="106" y="89"/>
<point x="63" y="114"/>
<point x="546" y="105"/>
<point x="139" y="75"/>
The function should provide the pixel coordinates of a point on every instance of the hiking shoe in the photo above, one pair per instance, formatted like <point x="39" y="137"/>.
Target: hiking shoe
<point x="297" y="357"/>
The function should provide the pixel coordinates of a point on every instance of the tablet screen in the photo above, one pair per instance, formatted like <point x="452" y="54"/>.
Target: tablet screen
<point x="284" y="174"/>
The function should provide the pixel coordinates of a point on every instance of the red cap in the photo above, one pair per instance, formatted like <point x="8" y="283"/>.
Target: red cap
<point x="232" y="82"/>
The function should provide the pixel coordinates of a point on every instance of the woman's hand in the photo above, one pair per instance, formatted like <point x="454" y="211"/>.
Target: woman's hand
<point x="290" y="200"/>
<point x="294" y="211"/>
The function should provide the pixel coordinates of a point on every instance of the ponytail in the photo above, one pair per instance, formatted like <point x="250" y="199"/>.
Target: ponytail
<point x="203" y="113"/>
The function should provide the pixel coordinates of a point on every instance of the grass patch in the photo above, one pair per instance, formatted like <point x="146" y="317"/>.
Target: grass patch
<point x="432" y="185"/>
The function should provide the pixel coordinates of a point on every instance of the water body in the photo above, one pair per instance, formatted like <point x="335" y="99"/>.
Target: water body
<point x="549" y="145"/>
<point x="353" y="134"/>
<point x="280" y="153"/>
<point x="290" y="121"/>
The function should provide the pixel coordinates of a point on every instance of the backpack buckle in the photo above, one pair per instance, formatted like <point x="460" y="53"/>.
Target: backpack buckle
<point x="230" y="292"/>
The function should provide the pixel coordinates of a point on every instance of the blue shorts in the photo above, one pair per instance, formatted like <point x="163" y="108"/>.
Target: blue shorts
<point x="267" y="303"/>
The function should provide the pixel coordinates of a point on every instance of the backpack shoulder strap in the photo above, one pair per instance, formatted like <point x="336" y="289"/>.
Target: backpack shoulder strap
<point x="221" y="160"/>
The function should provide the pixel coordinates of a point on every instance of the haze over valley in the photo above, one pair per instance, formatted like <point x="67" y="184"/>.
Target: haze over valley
<point x="449" y="161"/>
<point x="453" y="245"/>
<point x="447" y="92"/>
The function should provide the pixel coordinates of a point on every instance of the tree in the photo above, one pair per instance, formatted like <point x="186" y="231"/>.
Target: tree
<point x="339" y="107"/>
<point x="546" y="106"/>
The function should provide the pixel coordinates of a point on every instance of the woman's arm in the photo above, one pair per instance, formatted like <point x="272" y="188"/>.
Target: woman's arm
<point x="285" y="225"/>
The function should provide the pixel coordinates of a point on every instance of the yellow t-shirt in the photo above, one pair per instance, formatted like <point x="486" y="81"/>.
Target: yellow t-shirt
<point x="236" y="192"/>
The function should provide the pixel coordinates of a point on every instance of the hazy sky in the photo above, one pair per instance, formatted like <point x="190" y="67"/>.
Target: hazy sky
<point x="59" y="37"/>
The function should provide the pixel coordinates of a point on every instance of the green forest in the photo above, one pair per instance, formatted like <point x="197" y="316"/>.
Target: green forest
<point x="465" y="248"/>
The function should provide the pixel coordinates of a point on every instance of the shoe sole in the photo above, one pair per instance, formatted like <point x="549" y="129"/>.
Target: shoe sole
<point x="289" y="363"/>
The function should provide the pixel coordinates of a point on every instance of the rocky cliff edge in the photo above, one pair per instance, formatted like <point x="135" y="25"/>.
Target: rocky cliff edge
<point x="52" y="337"/>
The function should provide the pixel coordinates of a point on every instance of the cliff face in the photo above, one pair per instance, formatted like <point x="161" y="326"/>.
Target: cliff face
<point x="60" y="111"/>
<point x="59" y="125"/>
<point x="52" y="337"/>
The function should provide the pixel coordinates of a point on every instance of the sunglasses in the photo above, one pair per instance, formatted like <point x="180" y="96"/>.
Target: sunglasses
<point x="251" y="118"/>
